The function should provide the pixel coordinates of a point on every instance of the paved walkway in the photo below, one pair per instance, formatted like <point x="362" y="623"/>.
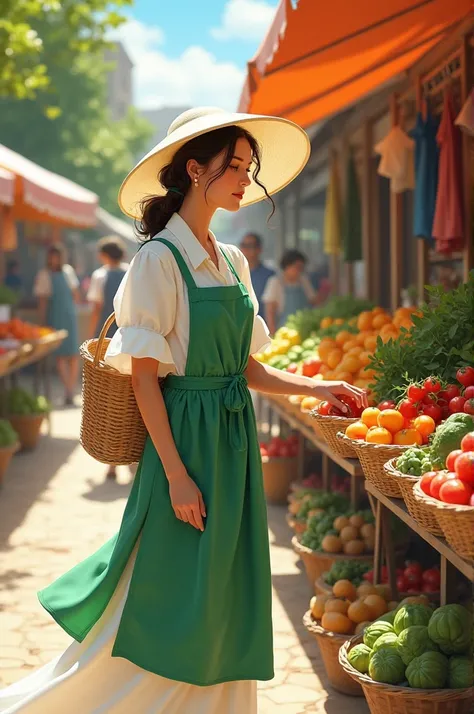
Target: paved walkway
<point x="55" y="509"/>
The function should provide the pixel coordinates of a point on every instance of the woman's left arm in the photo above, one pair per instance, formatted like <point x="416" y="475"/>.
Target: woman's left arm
<point x="269" y="380"/>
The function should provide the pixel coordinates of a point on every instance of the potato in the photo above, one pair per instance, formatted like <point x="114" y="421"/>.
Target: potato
<point x="357" y="521"/>
<point x="367" y="531"/>
<point x="331" y="544"/>
<point x="340" y="522"/>
<point x="349" y="533"/>
<point x="354" y="547"/>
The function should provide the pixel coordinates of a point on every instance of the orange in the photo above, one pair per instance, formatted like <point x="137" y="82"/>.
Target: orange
<point x="380" y="320"/>
<point x="378" y="435"/>
<point x="407" y="437"/>
<point x="369" y="416"/>
<point x="391" y="420"/>
<point x="364" y="321"/>
<point x="357" y="430"/>
<point x="368" y="373"/>
<point x="356" y="350"/>
<point x="343" y="336"/>
<point x="350" y="363"/>
<point x="370" y="343"/>
<point x="378" y="310"/>
<point x="329" y="375"/>
<point x="344" y="376"/>
<point x="349" y="345"/>
<point x="325" y="322"/>
<point x="344" y="589"/>
<point x="359" y="612"/>
<point x="361" y="383"/>
<point x="335" y="622"/>
<point x="339" y="321"/>
<point x="333" y="358"/>
<point x="323" y="369"/>
<point x="391" y="334"/>
<point x="377" y="605"/>
<point x="362" y="336"/>
<point x="406" y="323"/>
<point x="325" y="347"/>
<point x="364" y="358"/>
<point x="336" y="605"/>
<point x="424" y="424"/>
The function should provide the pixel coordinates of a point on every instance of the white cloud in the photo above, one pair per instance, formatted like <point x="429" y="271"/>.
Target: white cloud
<point x="194" y="78"/>
<point x="244" y="20"/>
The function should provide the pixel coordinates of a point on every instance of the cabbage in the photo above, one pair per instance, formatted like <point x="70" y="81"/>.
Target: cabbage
<point x="428" y="671"/>
<point x="460" y="672"/>
<point x="413" y="641"/>
<point x="450" y="627"/>
<point x="376" y="630"/>
<point x="410" y="615"/>
<point x="359" y="658"/>
<point x="386" y="666"/>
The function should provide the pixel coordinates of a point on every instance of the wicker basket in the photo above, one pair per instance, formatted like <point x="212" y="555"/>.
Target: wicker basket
<point x="112" y="429"/>
<point x="328" y="427"/>
<point x="298" y="527"/>
<point x="456" y="522"/>
<point x="278" y="474"/>
<point x="425" y="517"/>
<point x="6" y="454"/>
<point x="321" y="586"/>
<point x="390" y="699"/>
<point x="373" y="458"/>
<point x="316" y="563"/>
<point x="329" y="644"/>
<point x="28" y="428"/>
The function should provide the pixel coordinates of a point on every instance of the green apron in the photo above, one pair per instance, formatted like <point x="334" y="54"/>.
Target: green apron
<point x="199" y="604"/>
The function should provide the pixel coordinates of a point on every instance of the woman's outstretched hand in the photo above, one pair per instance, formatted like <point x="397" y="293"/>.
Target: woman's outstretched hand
<point x="187" y="500"/>
<point x="328" y="391"/>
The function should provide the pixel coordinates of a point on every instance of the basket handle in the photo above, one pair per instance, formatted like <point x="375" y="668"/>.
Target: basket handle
<point x="103" y="332"/>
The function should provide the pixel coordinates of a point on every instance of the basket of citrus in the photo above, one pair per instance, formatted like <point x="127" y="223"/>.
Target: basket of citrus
<point x="334" y="617"/>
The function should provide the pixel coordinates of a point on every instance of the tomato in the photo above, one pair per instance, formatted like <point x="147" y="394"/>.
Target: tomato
<point x="438" y="481"/>
<point x="455" y="491"/>
<point x="451" y="391"/>
<point x="292" y="368"/>
<point x="311" y="367"/>
<point x="432" y="577"/>
<point x="415" y="392"/>
<point x="425" y="424"/>
<point x="425" y="481"/>
<point x="387" y="404"/>
<point x="429" y="588"/>
<point x="285" y="451"/>
<point x="350" y="402"/>
<point x="465" y="376"/>
<point x="402" y="585"/>
<point x="324" y="408"/>
<point x="369" y="576"/>
<point x="273" y="450"/>
<point x="334" y="411"/>
<point x="464" y="467"/>
<point x="413" y="568"/>
<point x="469" y="406"/>
<point x="434" y="411"/>
<point x="430" y="399"/>
<point x="467" y="443"/>
<point x="432" y="385"/>
<point x="469" y="392"/>
<point x="408" y="409"/>
<point x="450" y="461"/>
<point x="456" y="405"/>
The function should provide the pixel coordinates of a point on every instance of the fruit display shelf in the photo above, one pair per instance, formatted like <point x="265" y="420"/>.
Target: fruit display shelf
<point x="30" y="351"/>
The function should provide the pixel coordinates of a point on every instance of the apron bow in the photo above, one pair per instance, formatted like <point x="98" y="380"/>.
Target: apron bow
<point x="235" y="401"/>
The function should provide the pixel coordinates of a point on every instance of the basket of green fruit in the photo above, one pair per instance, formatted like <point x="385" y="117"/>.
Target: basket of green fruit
<point x="9" y="444"/>
<point x="352" y="570"/>
<point x="406" y="471"/>
<point x="26" y="414"/>
<point x="414" y="660"/>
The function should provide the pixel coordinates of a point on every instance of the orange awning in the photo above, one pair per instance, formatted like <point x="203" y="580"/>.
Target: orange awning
<point x="318" y="58"/>
<point x="7" y="187"/>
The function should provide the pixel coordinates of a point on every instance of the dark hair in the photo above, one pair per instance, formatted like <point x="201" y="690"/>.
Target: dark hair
<point x="12" y="264"/>
<point x="112" y="247"/>
<point x="57" y="250"/>
<point x="292" y="256"/>
<point x="257" y="238"/>
<point x="157" y="210"/>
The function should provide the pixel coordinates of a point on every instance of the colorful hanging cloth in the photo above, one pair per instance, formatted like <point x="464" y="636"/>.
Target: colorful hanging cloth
<point x="332" y="215"/>
<point x="426" y="175"/>
<point x="465" y="118"/>
<point x="352" y="219"/>
<point x="397" y="162"/>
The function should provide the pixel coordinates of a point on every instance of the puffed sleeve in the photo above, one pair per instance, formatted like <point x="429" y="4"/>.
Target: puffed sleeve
<point x="71" y="277"/>
<point x="145" y="311"/>
<point x="42" y="286"/>
<point x="260" y="334"/>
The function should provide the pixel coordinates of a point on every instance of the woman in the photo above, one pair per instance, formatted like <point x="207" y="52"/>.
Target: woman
<point x="288" y="292"/>
<point x="56" y="288"/>
<point x="173" y="614"/>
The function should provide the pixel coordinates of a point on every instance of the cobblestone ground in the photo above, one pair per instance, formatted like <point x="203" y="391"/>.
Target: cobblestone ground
<point x="55" y="509"/>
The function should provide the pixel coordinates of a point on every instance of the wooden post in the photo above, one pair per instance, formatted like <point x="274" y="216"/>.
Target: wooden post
<point x="366" y="199"/>
<point x="396" y="229"/>
<point x="283" y="228"/>
<point x="466" y="85"/>
<point x="297" y="213"/>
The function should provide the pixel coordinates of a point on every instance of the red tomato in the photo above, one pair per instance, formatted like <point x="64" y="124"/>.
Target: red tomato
<point x="425" y="481"/>
<point x="402" y="585"/>
<point x="324" y="408"/>
<point x="386" y="404"/>
<point x="412" y="578"/>
<point x="467" y="444"/>
<point x="456" y="405"/>
<point x="432" y="577"/>
<point x="415" y="392"/>
<point x="413" y="567"/>
<point x="455" y="491"/>
<point x="429" y="399"/>
<point x="434" y="411"/>
<point x="311" y="367"/>
<point x="273" y="450"/>
<point x="285" y="451"/>
<point x="469" y="392"/>
<point x="450" y="461"/>
<point x="354" y="410"/>
<point x="465" y="376"/>
<point x="439" y="480"/>
<point x="469" y="406"/>
<point x="334" y="411"/>
<point x="464" y="467"/>
<point x="292" y="368"/>
<point x="451" y="391"/>
<point x="428" y="588"/>
<point x="432" y="385"/>
<point x="408" y="409"/>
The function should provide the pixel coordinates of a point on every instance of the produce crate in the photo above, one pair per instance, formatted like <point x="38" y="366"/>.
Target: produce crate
<point x="297" y="526"/>
<point x="391" y="699"/>
<point x="329" y="644"/>
<point x="456" y="522"/>
<point x="278" y="474"/>
<point x="28" y="428"/>
<point x="328" y="427"/>
<point x="417" y="509"/>
<point x="316" y="562"/>
<point x="6" y="454"/>
<point x="373" y="458"/>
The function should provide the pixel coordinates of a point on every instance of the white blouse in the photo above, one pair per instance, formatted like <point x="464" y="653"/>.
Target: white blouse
<point x="275" y="290"/>
<point x="43" y="285"/>
<point x="151" y="304"/>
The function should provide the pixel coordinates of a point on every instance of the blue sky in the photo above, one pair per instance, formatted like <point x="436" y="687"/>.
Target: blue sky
<point x="193" y="52"/>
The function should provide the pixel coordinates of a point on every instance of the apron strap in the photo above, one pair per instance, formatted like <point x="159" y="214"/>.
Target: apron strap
<point x="231" y="267"/>
<point x="185" y="272"/>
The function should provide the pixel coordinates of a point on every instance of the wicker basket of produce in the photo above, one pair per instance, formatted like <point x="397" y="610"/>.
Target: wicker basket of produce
<point x="455" y="521"/>
<point x="278" y="472"/>
<point x="6" y="455"/>
<point x="296" y="525"/>
<point x="28" y="428"/>
<point x="328" y="427"/>
<point x="317" y="562"/>
<point x="321" y="586"/>
<point x="373" y="458"/>
<point x="329" y="644"/>
<point x="397" y="698"/>
<point x="424" y="516"/>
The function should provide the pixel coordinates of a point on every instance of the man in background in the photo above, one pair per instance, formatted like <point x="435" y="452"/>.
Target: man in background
<point x="251" y="246"/>
<point x="12" y="277"/>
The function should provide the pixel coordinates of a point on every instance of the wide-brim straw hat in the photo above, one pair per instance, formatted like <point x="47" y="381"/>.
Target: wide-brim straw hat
<point x="284" y="146"/>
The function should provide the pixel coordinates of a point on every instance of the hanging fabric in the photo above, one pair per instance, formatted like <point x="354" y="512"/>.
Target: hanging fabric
<point x="352" y="219"/>
<point x="426" y="175"/>
<point x="465" y="118"/>
<point x="448" y="225"/>
<point x="397" y="162"/>
<point x="332" y="223"/>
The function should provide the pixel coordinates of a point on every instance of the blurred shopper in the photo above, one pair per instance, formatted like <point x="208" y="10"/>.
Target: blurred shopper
<point x="251" y="246"/>
<point x="12" y="276"/>
<point x="289" y="291"/>
<point x="56" y="286"/>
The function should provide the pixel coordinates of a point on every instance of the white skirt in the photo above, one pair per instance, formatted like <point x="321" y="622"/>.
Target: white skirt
<point x="86" y="679"/>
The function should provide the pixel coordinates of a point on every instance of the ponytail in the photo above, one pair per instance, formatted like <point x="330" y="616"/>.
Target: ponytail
<point x="156" y="211"/>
